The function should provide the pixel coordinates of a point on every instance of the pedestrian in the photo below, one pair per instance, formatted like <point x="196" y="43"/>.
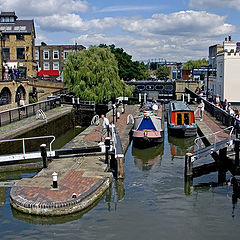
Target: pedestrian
<point x="105" y="127"/>
<point x="201" y="109"/>
<point x="217" y="100"/>
<point x="15" y="72"/>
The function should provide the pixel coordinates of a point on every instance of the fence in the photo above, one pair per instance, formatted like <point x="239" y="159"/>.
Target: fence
<point x="19" y="113"/>
<point x="224" y="117"/>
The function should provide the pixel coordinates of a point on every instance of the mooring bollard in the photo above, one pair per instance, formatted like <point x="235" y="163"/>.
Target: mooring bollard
<point x="107" y="145"/>
<point x="44" y="155"/>
<point x="236" y="149"/>
<point x="188" y="165"/>
<point x="54" y="177"/>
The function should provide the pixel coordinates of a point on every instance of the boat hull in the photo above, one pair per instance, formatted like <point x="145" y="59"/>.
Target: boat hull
<point x="182" y="131"/>
<point x="146" y="138"/>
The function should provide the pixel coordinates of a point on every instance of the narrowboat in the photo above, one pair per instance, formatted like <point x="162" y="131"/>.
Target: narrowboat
<point x="147" y="129"/>
<point x="181" y="120"/>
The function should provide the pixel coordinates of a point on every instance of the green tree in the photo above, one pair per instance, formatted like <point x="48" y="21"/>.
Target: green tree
<point x="93" y="74"/>
<point x="162" y="72"/>
<point x="128" y="69"/>
<point x="195" y="64"/>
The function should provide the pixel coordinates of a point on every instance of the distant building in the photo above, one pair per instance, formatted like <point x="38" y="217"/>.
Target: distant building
<point x="227" y="82"/>
<point x="18" y="43"/>
<point x="50" y="58"/>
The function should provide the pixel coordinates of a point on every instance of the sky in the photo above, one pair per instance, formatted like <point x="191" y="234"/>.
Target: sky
<point x="175" y="30"/>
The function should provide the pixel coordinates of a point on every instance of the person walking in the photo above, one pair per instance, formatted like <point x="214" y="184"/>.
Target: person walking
<point x="105" y="127"/>
<point x="201" y="107"/>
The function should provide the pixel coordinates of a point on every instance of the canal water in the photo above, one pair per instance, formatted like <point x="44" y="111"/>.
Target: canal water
<point x="151" y="203"/>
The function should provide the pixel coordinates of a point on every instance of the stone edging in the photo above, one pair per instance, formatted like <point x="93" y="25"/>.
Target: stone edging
<point x="60" y="208"/>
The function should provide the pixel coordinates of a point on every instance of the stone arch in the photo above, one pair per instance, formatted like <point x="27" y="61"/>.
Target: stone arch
<point x="5" y="96"/>
<point x="20" y="93"/>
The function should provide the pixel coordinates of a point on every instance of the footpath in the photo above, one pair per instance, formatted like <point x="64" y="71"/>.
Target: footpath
<point x="81" y="179"/>
<point x="20" y="127"/>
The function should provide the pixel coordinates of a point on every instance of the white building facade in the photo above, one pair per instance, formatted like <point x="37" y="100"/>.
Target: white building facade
<point x="227" y="82"/>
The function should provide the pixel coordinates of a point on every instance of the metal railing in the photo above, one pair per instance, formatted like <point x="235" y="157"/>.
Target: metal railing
<point x="22" y="112"/>
<point x="26" y="155"/>
<point x="221" y="115"/>
<point x="231" y="128"/>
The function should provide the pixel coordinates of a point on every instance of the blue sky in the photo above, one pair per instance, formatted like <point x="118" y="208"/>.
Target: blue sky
<point x="176" y="30"/>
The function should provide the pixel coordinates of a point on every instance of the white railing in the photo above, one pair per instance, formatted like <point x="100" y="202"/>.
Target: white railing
<point x="196" y="141"/>
<point x="41" y="114"/>
<point x="24" y="155"/>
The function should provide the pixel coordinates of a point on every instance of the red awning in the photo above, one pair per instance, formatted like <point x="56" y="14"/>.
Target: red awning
<point x="48" y="73"/>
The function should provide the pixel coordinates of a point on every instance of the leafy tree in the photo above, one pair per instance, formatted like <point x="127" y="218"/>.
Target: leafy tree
<point x="128" y="69"/>
<point x="162" y="72"/>
<point x="93" y="74"/>
<point x="195" y="64"/>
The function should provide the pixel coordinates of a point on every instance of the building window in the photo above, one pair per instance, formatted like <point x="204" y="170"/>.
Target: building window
<point x="65" y="53"/>
<point x="46" y="66"/>
<point x="55" y="54"/>
<point x="6" y="53"/>
<point x="45" y="54"/>
<point x="20" y="53"/>
<point x="36" y="55"/>
<point x="56" y="66"/>
<point x="19" y="37"/>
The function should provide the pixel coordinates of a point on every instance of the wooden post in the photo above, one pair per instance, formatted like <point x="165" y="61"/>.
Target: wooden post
<point x="107" y="146"/>
<point x="236" y="149"/>
<point x="120" y="163"/>
<point x="222" y="165"/>
<point x="188" y="165"/>
<point x="44" y="155"/>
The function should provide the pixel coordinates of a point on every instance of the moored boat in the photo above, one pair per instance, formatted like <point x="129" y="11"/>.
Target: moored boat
<point x="147" y="129"/>
<point x="181" y="120"/>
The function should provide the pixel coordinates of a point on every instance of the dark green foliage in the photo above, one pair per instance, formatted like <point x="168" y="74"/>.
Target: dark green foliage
<point x="128" y="69"/>
<point x="93" y="75"/>
<point x="163" y="73"/>
<point x="195" y="64"/>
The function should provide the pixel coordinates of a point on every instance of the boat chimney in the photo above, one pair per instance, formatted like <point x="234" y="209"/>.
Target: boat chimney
<point x="229" y="38"/>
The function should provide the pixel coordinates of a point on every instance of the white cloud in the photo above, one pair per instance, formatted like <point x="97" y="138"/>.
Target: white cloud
<point x="206" y="4"/>
<point x="128" y="8"/>
<point x="184" y="23"/>
<point x="42" y="38"/>
<point x="73" y="23"/>
<point x="43" y="7"/>
<point x="172" y="48"/>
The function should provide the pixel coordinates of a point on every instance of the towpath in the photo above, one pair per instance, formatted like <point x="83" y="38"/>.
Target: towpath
<point x="86" y="176"/>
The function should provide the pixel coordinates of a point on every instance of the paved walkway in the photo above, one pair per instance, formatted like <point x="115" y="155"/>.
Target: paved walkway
<point x="17" y="128"/>
<point x="85" y="176"/>
<point x="210" y="125"/>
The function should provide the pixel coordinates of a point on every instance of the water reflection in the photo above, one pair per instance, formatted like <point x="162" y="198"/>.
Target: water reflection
<point x="147" y="158"/>
<point x="181" y="146"/>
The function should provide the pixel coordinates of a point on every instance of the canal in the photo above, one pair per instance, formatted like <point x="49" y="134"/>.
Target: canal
<point x="150" y="203"/>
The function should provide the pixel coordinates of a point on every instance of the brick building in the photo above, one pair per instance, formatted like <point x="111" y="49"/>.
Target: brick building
<point x="50" y="58"/>
<point x="18" y="43"/>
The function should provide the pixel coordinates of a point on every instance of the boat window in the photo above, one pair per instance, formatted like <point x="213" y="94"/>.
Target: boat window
<point x="150" y="87"/>
<point x="186" y="118"/>
<point x="140" y="87"/>
<point x="179" y="119"/>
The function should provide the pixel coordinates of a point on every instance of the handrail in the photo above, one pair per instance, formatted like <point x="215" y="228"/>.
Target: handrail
<point x="215" y="134"/>
<point x="30" y="138"/>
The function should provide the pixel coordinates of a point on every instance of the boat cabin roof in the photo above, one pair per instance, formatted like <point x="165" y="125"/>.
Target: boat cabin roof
<point x="179" y="106"/>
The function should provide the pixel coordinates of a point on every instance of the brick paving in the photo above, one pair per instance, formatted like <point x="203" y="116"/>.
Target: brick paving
<point x="95" y="135"/>
<point x="73" y="182"/>
<point x="210" y="125"/>
<point x="86" y="176"/>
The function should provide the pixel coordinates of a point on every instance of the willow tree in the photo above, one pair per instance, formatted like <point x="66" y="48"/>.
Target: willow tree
<point x="93" y="75"/>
